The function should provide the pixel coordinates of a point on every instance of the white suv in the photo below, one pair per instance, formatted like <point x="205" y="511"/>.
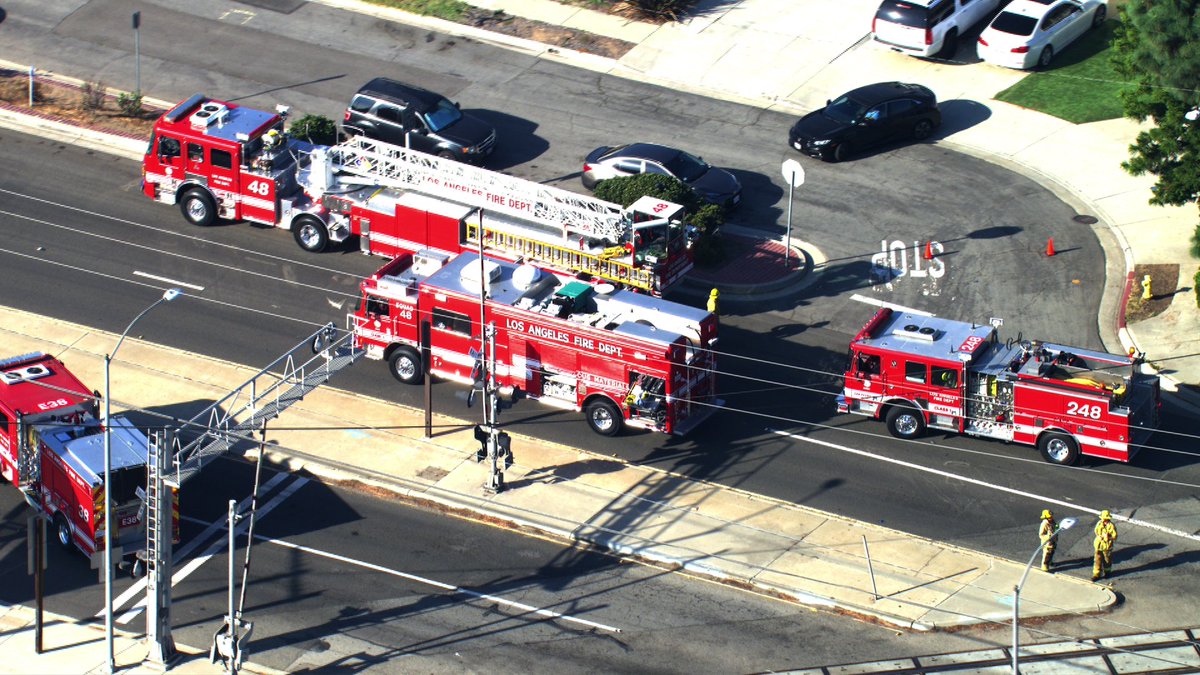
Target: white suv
<point x="928" y="27"/>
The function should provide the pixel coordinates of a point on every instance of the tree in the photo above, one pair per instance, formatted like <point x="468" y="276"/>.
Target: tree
<point x="1157" y="47"/>
<point x="705" y="218"/>
<point x="316" y="129"/>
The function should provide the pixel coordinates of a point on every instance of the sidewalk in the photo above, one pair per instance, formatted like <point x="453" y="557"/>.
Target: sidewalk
<point x="710" y="531"/>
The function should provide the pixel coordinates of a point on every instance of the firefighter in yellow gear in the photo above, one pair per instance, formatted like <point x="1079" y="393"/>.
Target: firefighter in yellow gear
<point x="1106" y="537"/>
<point x="1047" y="532"/>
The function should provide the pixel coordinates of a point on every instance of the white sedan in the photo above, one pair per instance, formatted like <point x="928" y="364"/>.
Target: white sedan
<point x="1029" y="33"/>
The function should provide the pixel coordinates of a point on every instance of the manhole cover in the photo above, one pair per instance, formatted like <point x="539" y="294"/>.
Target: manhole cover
<point x="1085" y="219"/>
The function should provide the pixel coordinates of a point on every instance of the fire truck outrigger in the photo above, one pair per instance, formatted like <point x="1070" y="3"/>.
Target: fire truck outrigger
<point x="623" y="358"/>
<point x="52" y="449"/>
<point x="220" y="160"/>
<point x="917" y="371"/>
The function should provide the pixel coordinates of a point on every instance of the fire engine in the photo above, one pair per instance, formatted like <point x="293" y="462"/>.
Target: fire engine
<point x="219" y="160"/>
<point x="918" y="372"/>
<point x="52" y="449"/>
<point x="623" y="358"/>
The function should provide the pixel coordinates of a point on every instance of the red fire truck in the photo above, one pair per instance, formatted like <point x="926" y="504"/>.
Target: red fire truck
<point x="220" y="160"/>
<point x="623" y="358"/>
<point x="52" y="448"/>
<point x="917" y="372"/>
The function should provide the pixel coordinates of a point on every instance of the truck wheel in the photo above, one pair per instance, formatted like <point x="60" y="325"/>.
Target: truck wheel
<point x="603" y="417"/>
<point x="198" y="207"/>
<point x="405" y="365"/>
<point x="905" y="422"/>
<point x="310" y="234"/>
<point x="62" y="531"/>
<point x="949" y="45"/>
<point x="1059" y="449"/>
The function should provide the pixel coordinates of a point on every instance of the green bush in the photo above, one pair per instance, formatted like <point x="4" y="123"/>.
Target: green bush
<point x="1196" y="286"/>
<point x="707" y="249"/>
<point x="130" y="104"/>
<point x="628" y="189"/>
<point x="661" y="10"/>
<point x="316" y="129"/>
<point x="1194" y="249"/>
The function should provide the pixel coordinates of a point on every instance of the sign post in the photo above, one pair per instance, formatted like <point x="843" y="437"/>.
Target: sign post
<point x="793" y="173"/>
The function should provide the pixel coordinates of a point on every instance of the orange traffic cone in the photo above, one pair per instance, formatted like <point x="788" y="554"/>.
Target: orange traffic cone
<point x="1050" y="247"/>
<point x="929" y="250"/>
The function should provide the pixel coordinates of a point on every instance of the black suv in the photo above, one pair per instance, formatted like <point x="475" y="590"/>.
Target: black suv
<point x="402" y="114"/>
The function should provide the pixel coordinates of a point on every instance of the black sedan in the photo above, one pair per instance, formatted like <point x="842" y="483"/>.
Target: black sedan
<point x="716" y="186"/>
<point x="864" y="117"/>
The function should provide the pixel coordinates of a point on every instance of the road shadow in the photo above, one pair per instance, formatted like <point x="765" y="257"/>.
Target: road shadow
<point x="516" y="140"/>
<point x="961" y="114"/>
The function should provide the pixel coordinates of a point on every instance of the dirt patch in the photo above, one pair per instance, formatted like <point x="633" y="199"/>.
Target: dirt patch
<point x="64" y="102"/>
<point x="558" y="36"/>
<point x="1164" y="284"/>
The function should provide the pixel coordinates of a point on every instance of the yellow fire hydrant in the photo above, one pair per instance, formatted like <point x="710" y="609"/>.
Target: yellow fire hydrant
<point x="714" y="305"/>
<point x="1146" y="294"/>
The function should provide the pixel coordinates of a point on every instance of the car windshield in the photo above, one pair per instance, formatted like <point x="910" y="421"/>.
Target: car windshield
<point x="445" y="114"/>
<point x="845" y="109"/>
<point x="1015" y="24"/>
<point x="686" y="167"/>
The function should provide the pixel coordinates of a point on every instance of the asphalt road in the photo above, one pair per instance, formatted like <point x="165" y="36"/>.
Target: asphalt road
<point x="261" y="292"/>
<point x="340" y="579"/>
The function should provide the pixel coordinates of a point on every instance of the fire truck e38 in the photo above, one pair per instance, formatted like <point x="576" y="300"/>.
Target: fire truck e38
<point x="623" y="358"/>
<point x="918" y="372"/>
<point x="52" y="449"/>
<point x="220" y="160"/>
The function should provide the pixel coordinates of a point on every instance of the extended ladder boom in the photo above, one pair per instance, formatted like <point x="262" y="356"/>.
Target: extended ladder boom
<point x="394" y="166"/>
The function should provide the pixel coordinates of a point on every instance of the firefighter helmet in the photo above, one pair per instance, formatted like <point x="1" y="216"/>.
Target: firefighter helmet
<point x="1105" y="515"/>
<point x="1046" y="514"/>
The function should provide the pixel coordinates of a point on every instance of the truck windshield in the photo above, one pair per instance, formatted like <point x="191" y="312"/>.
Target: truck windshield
<point x="445" y="114"/>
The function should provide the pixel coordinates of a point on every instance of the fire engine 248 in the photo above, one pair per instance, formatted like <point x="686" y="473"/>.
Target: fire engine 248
<point x="221" y="160"/>
<point x="623" y="358"/>
<point x="52" y="448"/>
<point x="918" y="371"/>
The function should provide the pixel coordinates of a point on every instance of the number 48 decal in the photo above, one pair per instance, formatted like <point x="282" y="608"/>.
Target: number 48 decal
<point x="259" y="187"/>
<point x="1092" y="411"/>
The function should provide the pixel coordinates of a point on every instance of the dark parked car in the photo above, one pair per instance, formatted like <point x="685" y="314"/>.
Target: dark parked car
<point x="402" y="114"/>
<point x="866" y="116"/>
<point x="716" y="186"/>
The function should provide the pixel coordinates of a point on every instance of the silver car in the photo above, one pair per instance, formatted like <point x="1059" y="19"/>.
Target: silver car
<point x="716" y="186"/>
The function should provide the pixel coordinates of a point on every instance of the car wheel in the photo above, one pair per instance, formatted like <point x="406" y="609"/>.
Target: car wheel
<point x="310" y="234"/>
<point x="405" y="365"/>
<point x="62" y="532"/>
<point x="198" y="207"/>
<point x="446" y="154"/>
<point x="603" y="417"/>
<point x="1101" y="15"/>
<point x="1059" y="449"/>
<point x="949" y="45"/>
<point x="842" y="152"/>
<point x="1046" y="57"/>
<point x="922" y="130"/>
<point x="905" y="422"/>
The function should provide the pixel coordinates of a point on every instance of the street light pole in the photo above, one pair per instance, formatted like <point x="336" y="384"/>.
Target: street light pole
<point x="167" y="296"/>
<point x="1066" y="524"/>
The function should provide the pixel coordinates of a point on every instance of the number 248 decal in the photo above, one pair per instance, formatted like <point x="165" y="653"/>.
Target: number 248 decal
<point x="1091" y="411"/>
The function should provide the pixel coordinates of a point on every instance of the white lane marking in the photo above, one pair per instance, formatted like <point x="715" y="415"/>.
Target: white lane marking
<point x="883" y="303"/>
<point x="993" y="486"/>
<point x="219" y="546"/>
<point x="166" y="280"/>
<point x="184" y="551"/>
<point x="442" y="585"/>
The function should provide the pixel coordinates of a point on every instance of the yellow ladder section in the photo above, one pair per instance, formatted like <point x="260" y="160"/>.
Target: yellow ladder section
<point x="563" y="257"/>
